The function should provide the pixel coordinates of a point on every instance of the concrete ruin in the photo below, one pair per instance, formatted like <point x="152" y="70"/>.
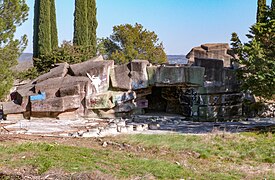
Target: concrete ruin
<point x="205" y="90"/>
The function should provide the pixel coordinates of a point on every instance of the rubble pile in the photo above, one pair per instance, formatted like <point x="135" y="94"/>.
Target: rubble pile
<point x="206" y="91"/>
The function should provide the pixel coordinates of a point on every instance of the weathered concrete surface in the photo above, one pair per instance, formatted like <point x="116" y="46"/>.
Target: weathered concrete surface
<point x="122" y="97"/>
<point x="139" y="74"/>
<point x="213" y="69"/>
<point x="147" y="124"/>
<point x="120" y="77"/>
<point x="60" y="71"/>
<point x="58" y="104"/>
<point x="12" y="108"/>
<point x="98" y="70"/>
<point x="101" y="101"/>
<point x="169" y="75"/>
<point x="211" y="51"/>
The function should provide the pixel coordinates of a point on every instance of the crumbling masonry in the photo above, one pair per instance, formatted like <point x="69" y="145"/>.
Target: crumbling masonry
<point x="206" y="89"/>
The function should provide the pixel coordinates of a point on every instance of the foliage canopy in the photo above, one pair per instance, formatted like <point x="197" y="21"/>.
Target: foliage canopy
<point x="132" y="42"/>
<point x="12" y="14"/>
<point x="257" y="58"/>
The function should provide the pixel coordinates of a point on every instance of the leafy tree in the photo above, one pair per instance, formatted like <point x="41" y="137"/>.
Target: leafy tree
<point x="54" y="35"/>
<point x="261" y="11"/>
<point x="42" y="28"/>
<point x="257" y="58"/>
<point x="80" y="23"/>
<point x="92" y="25"/>
<point x="12" y="14"/>
<point x="133" y="42"/>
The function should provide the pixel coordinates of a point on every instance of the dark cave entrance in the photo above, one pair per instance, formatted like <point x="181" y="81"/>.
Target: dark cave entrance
<point x="172" y="100"/>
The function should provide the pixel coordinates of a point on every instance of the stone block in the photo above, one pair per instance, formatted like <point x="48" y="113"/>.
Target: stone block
<point x="213" y="69"/>
<point x="215" y="46"/>
<point x="126" y="107"/>
<point x="70" y="115"/>
<point x="171" y="75"/>
<point x="219" y="51"/>
<point x="14" y="117"/>
<point x="60" y="71"/>
<point x="122" y="97"/>
<point x="70" y="90"/>
<point x="152" y="72"/>
<point x="142" y="93"/>
<point x="58" y="104"/>
<point x="100" y="101"/>
<point x="12" y="108"/>
<point x="50" y="87"/>
<point x="120" y="77"/>
<point x="221" y="99"/>
<point x="139" y="74"/>
<point x="217" y="112"/>
<point x="98" y="71"/>
<point x="219" y="89"/>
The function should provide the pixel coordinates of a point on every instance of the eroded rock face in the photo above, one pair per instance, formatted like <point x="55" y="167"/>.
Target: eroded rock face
<point x="219" y="51"/>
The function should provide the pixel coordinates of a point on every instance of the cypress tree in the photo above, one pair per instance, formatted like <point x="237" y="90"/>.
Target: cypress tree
<point x="80" y="23"/>
<point x="92" y="25"/>
<point x="261" y="12"/>
<point x="35" y="28"/>
<point x="42" y="28"/>
<point x="54" y="36"/>
<point x="273" y="9"/>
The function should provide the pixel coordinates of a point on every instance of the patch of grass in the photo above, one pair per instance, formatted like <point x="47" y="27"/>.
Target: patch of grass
<point x="213" y="156"/>
<point x="76" y="159"/>
<point x="237" y="147"/>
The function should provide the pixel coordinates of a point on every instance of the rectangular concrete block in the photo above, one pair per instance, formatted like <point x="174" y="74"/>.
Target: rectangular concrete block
<point x="139" y="74"/>
<point x="119" y="97"/>
<point x="58" y="104"/>
<point x="98" y="70"/>
<point x="101" y="101"/>
<point x="120" y="77"/>
<point x="60" y="71"/>
<point x="12" y="108"/>
<point x="172" y="75"/>
<point x="151" y="71"/>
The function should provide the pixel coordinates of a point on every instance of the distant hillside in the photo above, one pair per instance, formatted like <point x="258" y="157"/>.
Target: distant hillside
<point x="177" y="59"/>
<point x="24" y="62"/>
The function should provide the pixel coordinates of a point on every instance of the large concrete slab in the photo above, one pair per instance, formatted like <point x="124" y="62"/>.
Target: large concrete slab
<point x="60" y="71"/>
<point x="97" y="70"/>
<point x="171" y="75"/>
<point x="58" y="104"/>
<point x="121" y="77"/>
<point x="139" y="74"/>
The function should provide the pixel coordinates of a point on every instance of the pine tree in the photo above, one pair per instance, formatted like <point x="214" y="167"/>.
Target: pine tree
<point x="80" y="23"/>
<point x="54" y="36"/>
<point x="42" y="28"/>
<point x="92" y="25"/>
<point x="261" y="12"/>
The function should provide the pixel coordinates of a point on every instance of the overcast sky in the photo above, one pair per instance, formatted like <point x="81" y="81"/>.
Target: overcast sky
<point x="180" y="24"/>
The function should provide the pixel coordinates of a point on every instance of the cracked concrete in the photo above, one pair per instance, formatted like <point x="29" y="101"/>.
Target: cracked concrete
<point x="146" y="124"/>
